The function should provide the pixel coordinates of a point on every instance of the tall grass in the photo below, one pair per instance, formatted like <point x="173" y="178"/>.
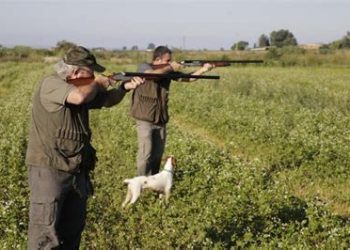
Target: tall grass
<point x="253" y="151"/>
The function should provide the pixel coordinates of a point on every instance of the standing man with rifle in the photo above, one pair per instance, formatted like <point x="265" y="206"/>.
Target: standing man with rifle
<point x="59" y="153"/>
<point x="149" y="107"/>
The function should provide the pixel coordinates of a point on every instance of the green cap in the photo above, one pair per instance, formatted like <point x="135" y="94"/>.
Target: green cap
<point x="81" y="56"/>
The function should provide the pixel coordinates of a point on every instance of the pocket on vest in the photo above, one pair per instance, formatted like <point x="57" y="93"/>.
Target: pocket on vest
<point x="70" y="153"/>
<point x="145" y="108"/>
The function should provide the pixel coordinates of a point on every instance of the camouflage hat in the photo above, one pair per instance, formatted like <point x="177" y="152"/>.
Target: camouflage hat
<point x="81" y="56"/>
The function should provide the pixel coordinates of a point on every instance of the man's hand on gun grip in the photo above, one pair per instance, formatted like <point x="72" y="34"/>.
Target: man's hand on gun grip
<point x="207" y="67"/>
<point x="176" y="66"/>
<point x="133" y="83"/>
<point x="103" y="81"/>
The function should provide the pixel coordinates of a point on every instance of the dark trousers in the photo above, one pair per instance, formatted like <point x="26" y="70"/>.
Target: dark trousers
<point x="57" y="208"/>
<point x="151" y="144"/>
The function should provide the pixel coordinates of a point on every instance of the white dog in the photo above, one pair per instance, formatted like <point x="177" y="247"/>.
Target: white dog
<point x="161" y="183"/>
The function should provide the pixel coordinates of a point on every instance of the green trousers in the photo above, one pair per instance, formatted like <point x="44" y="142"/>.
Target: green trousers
<point x="151" y="144"/>
<point x="57" y="208"/>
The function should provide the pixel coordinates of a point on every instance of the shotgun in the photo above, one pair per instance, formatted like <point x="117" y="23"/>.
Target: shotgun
<point x="122" y="76"/>
<point x="217" y="63"/>
<point x="200" y="63"/>
<point x="125" y="76"/>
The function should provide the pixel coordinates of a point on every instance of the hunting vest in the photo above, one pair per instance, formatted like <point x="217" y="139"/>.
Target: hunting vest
<point x="150" y="101"/>
<point x="59" y="139"/>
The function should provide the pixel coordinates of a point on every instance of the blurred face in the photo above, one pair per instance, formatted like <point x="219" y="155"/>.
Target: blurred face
<point x="84" y="72"/>
<point x="164" y="59"/>
<point x="81" y="76"/>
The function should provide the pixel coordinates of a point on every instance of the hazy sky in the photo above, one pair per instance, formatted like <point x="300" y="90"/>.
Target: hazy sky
<point x="193" y="24"/>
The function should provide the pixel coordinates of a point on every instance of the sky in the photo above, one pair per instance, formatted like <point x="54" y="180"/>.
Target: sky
<point x="186" y="24"/>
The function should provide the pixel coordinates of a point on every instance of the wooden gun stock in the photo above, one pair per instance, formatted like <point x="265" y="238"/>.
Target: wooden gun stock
<point x="81" y="81"/>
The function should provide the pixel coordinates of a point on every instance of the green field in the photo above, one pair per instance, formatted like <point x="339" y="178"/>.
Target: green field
<point x="263" y="161"/>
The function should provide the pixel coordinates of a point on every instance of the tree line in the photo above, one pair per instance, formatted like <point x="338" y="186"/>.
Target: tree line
<point x="278" y="43"/>
<point x="284" y="37"/>
<point x="277" y="39"/>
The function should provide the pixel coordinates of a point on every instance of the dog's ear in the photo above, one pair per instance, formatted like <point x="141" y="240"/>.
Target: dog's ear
<point x="165" y="158"/>
<point x="173" y="161"/>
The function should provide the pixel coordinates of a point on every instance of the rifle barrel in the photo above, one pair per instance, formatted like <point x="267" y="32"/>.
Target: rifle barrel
<point x="127" y="75"/>
<point x="218" y="62"/>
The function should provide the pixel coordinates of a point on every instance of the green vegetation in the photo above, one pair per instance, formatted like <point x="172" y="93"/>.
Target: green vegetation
<point x="263" y="157"/>
<point x="282" y="38"/>
<point x="343" y="43"/>
<point x="241" y="45"/>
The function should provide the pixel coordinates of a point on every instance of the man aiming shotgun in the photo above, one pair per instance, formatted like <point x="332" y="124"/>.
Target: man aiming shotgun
<point x="59" y="154"/>
<point x="149" y="107"/>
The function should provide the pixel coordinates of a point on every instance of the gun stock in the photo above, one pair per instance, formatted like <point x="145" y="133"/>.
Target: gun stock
<point x="81" y="81"/>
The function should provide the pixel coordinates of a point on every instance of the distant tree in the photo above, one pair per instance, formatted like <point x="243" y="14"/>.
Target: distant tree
<point x="282" y="38"/>
<point x="263" y="41"/>
<point x="151" y="46"/>
<point x="22" y="51"/>
<point x="2" y="50"/>
<point x="241" y="45"/>
<point x="345" y="41"/>
<point x="336" y="44"/>
<point x="135" y="47"/>
<point x="124" y="48"/>
<point x="64" y="45"/>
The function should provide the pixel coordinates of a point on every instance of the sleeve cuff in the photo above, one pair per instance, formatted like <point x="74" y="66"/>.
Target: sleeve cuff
<point x="122" y="87"/>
